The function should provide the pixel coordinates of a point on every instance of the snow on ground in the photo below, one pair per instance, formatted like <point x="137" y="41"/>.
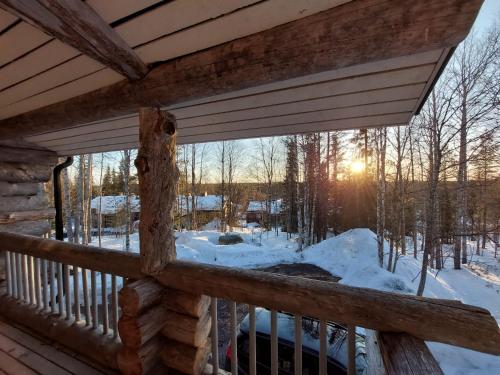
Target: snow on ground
<point x="352" y="255"/>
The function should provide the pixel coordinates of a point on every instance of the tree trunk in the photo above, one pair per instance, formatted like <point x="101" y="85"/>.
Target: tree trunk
<point x="158" y="176"/>
<point x="67" y="206"/>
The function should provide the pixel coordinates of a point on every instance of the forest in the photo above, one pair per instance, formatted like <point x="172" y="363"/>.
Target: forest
<point x="430" y="188"/>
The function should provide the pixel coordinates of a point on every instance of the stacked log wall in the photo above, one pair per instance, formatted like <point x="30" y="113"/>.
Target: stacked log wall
<point x="24" y="205"/>
<point x="162" y="328"/>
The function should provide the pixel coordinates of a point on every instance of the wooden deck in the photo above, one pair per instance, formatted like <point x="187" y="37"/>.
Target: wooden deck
<point x="25" y="353"/>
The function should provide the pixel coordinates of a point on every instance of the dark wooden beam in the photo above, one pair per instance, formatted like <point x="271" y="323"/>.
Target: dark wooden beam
<point x="75" y="23"/>
<point x="357" y="32"/>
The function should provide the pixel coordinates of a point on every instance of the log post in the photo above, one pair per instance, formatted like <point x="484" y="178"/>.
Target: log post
<point x="158" y="175"/>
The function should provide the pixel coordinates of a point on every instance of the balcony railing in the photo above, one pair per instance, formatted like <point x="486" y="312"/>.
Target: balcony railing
<point x="69" y="292"/>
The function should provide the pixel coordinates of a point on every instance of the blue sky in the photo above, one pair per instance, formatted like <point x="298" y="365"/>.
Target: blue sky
<point x="490" y="11"/>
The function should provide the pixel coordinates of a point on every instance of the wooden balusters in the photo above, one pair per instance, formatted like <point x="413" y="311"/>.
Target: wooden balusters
<point x="323" y="348"/>
<point x="31" y="287"/>
<point x="13" y="275"/>
<point x="274" y="342"/>
<point x="114" y="305"/>
<point x="234" y="337"/>
<point x="93" y="287"/>
<point x="298" y="344"/>
<point x="104" y="299"/>
<point x="52" y="270"/>
<point x="76" y="293"/>
<point x="60" y="289"/>
<point x="24" y="264"/>
<point x="86" y="301"/>
<point x="67" y="293"/>
<point x="252" y="357"/>
<point x="214" y="336"/>
<point x="38" y="285"/>
<point x="45" y="285"/>
<point x="8" y="274"/>
<point x="351" y="350"/>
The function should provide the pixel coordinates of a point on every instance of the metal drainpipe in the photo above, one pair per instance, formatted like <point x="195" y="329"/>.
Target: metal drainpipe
<point x="57" y="197"/>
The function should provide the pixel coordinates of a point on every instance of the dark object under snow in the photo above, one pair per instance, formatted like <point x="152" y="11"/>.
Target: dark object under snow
<point x="230" y="239"/>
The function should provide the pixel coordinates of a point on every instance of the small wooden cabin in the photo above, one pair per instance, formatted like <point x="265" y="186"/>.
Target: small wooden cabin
<point x="83" y="77"/>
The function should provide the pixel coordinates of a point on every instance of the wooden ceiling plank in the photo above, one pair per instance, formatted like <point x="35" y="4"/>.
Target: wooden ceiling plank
<point x="78" y="87"/>
<point x="290" y="117"/>
<point x="112" y="10"/>
<point x="51" y="54"/>
<point x="80" y="66"/>
<point x="19" y="40"/>
<point x="365" y="97"/>
<point x="324" y="89"/>
<point x="175" y="16"/>
<point x="333" y="39"/>
<point x="76" y="23"/>
<point x="6" y="19"/>
<point x="120" y="143"/>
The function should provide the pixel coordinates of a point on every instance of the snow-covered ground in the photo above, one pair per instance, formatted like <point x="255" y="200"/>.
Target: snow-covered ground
<point x="353" y="256"/>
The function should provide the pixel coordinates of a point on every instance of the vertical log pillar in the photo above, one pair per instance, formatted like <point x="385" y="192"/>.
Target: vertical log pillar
<point x="158" y="175"/>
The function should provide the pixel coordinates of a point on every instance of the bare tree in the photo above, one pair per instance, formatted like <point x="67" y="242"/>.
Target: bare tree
<point x="380" y="149"/>
<point x="476" y="88"/>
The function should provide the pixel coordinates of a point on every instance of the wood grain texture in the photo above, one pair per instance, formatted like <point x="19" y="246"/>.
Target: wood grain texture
<point x="404" y="354"/>
<point x="24" y="172"/>
<point x="354" y="33"/>
<point x="18" y="189"/>
<point x="185" y="358"/>
<point x="138" y="362"/>
<point x="136" y="331"/>
<point x="75" y="23"/>
<point x="26" y="155"/>
<point x="137" y="296"/>
<point x="15" y="216"/>
<point x="28" y="227"/>
<point x="446" y="321"/>
<point x="186" y="329"/>
<point x="94" y="258"/>
<point x="158" y="175"/>
<point x="186" y="303"/>
<point x="100" y="348"/>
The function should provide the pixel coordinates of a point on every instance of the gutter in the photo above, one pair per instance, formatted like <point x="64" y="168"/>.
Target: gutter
<point x="58" y="198"/>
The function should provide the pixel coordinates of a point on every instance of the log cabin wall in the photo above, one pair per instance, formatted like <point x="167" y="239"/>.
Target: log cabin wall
<point x="24" y="205"/>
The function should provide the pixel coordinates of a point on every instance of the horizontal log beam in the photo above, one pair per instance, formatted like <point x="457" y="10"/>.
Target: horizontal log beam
<point x="91" y="343"/>
<point x="16" y="216"/>
<point x="28" y="227"/>
<point x="28" y="203"/>
<point x="23" y="172"/>
<point x="94" y="258"/>
<point x="139" y="295"/>
<point x="76" y="23"/>
<point x="404" y="354"/>
<point x="27" y="155"/>
<point x="13" y="189"/>
<point x="353" y="33"/>
<point x="184" y="358"/>
<point x="136" y="331"/>
<point x="445" y="321"/>
<point x="186" y="329"/>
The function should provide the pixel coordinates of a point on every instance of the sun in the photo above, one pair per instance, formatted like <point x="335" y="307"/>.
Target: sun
<point x="357" y="166"/>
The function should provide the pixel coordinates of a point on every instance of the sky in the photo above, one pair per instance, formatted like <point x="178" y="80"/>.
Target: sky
<point x="488" y="15"/>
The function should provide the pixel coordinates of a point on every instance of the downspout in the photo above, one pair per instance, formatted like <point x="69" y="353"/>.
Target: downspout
<point x="58" y="198"/>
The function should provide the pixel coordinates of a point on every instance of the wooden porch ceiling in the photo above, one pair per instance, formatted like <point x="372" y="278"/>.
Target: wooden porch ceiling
<point x="228" y="69"/>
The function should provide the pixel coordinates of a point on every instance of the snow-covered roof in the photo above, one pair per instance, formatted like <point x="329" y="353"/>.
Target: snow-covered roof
<point x="110" y="204"/>
<point x="203" y="203"/>
<point x="260" y="206"/>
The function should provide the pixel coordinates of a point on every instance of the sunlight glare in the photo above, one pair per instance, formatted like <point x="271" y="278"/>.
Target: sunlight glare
<point x="357" y="166"/>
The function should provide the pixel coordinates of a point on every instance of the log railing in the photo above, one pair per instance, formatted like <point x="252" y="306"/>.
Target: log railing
<point x="411" y="319"/>
<point x="67" y="286"/>
<point x="170" y="315"/>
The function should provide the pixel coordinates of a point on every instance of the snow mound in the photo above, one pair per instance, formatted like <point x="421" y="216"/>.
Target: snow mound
<point x="352" y="256"/>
